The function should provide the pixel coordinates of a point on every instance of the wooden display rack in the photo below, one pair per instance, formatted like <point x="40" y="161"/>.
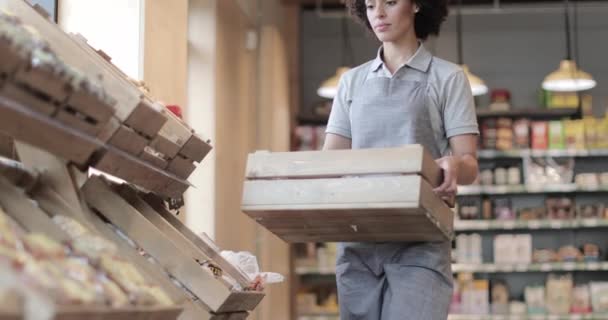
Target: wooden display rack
<point x="126" y="134"/>
<point x="362" y="195"/>
<point x="123" y="132"/>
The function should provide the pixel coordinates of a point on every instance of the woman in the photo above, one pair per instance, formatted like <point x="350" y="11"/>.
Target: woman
<point x="403" y="96"/>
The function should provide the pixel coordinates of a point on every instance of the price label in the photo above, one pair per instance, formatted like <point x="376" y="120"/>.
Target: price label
<point x="593" y="266"/>
<point x="506" y="268"/>
<point x="534" y="224"/>
<point x="509" y="225"/>
<point x="546" y="267"/>
<point x="556" y="224"/>
<point x="490" y="268"/>
<point x="521" y="267"/>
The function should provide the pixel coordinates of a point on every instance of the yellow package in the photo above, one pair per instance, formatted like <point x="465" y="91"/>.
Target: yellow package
<point x="602" y="133"/>
<point x="591" y="139"/>
<point x="574" y="132"/>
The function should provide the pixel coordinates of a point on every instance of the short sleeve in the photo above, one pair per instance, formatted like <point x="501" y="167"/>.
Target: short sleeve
<point x="459" y="107"/>
<point x="339" y="118"/>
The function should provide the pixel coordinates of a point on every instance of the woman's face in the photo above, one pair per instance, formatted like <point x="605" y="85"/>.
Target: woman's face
<point x="391" y="20"/>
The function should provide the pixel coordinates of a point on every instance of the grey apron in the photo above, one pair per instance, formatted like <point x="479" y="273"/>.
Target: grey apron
<point x="393" y="281"/>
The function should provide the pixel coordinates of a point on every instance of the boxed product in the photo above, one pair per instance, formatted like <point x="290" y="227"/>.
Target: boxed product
<point x="599" y="296"/>
<point x="581" y="300"/>
<point x="475" y="297"/>
<point x="540" y="131"/>
<point x="503" y="210"/>
<point x="560" y="208"/>
<point x="574" y="133"/>
<point x="500" y="298"/>
<point x="521" y="131"/>
<point x="556" y="135"/>
<point x="591" y="136"/>
<point x="489" y="134"/>
<point x="504" y="134"/>
<point x="559" y="294"/>
<point x="535" y="299"/>
<point x="510" y="248"/>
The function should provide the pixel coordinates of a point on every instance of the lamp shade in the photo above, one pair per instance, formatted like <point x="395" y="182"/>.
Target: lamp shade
<point x="329" y="87"/>
<point x="568" y="78"/>
<point x="478" y="87"/>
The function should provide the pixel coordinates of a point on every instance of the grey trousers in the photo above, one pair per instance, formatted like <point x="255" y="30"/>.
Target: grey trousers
<point x="369" y="289"/>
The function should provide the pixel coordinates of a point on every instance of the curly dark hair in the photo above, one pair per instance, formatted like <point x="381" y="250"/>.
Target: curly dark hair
<point x="427" y="22"/>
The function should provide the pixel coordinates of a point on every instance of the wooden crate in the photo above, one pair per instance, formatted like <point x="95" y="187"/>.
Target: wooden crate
<point x="347" y="195"/>
<point x="212" y="291"/>
<point x="194" y="246"/>
<point x="196" y="148"/>
<point x="32" y="217"/>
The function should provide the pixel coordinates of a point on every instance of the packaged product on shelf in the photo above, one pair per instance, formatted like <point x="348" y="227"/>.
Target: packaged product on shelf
<point x="587" y="181"/>
<point x="562" y="99"/>
<point x="559" y="294"/>
<point x="523" y="248"/>
<point x="462" y="248"/>
<point x="513" y="176"/>
<point x="486" y="210"/>
<point x="556" y="135"/>
<point x="532" y="213"/>
<point x="504" y="134"/>
<point x="574" y="133"/>
<point x="503" y="252"/>
<point x="544" y="256"/>
<point x="305" y="138"/>
<point x="591" y="137"/>
<point x="590" y="211"/>
<point x="599" y="296"/>
<point x="486" y="177"/>
<point x="581" y="300"/>
<point x="591" y="252"/>
<point x="604" y="179"/>
<point x="500" y="176"/>
<point x="539" y="135"/>
<point x="517" y="308"/>
<point x="468" y="209"/>
<point x="560" y="208"/>
<point x="535" y="299"/>
<point x="602" y="132"/>
<point x="500" y="100"/>
<point x="475" y="297"/>
<point x="502" y="209"/>
<point x="500" y="297"/>
<point x="521" y="131"/>
<point x="489" y="134"/>
<point x="475" y="252"/>
<point x="569" y="254"/>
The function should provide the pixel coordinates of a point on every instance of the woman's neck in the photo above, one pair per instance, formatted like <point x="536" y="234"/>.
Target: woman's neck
<point x="397" y="53"/>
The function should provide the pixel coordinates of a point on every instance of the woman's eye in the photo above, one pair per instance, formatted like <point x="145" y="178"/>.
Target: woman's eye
<point x="391" y="3"/>
<point x="370" y="7"/>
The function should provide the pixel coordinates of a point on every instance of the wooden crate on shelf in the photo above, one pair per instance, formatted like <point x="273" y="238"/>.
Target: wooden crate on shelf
<point x="347" y="195"/>
<point x="213" y="291"/>
<point x="20" y="207"/>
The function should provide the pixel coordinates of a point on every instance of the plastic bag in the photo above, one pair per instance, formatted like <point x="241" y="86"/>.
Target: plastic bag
<point x="249" y="264"/>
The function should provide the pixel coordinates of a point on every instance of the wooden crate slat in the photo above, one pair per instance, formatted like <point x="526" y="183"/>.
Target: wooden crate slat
<point x="207" y="248"/>
<point x="26" y="213"/>
<point x="195" y="148"/>
<point x="181" y="167"/>
<point x="131" y="196"/>
<point x="357" y="192"/>
<point x="410" y="159"/>
<point x="16" y="93"/>
<point x="51" y="202"/>
<point x="126" y="139"/>
<point x="140" y="173"/>
<point x="201" y="282"/>
<point x="51" y="135"/>
<point x="379" y="207"/>
<point x="172" y="136"/>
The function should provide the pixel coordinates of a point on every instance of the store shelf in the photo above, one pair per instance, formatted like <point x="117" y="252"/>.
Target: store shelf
<point x="532" y="113"/>
<point x="534" y="267"/>
<point x="591" y="316"/>
<point x="524" y="153"/>
<point x="476" y="225"/>
<point x="521" y="188"/>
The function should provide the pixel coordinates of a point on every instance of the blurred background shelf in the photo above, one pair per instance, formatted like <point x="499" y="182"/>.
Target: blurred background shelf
<point x="478" y="225"/>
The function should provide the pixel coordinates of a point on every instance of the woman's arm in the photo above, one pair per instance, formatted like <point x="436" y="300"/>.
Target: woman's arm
<point x="461" y="167"/>
<point x="336" y="141"/>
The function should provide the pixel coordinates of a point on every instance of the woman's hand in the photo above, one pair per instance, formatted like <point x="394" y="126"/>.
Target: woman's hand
<point x="451" y="168"/>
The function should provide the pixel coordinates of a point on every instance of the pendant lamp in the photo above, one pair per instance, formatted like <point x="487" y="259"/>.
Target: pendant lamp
<point x="329" y="87"/>
<point x="478" y="86"/>
<point x="568" y="78"/>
